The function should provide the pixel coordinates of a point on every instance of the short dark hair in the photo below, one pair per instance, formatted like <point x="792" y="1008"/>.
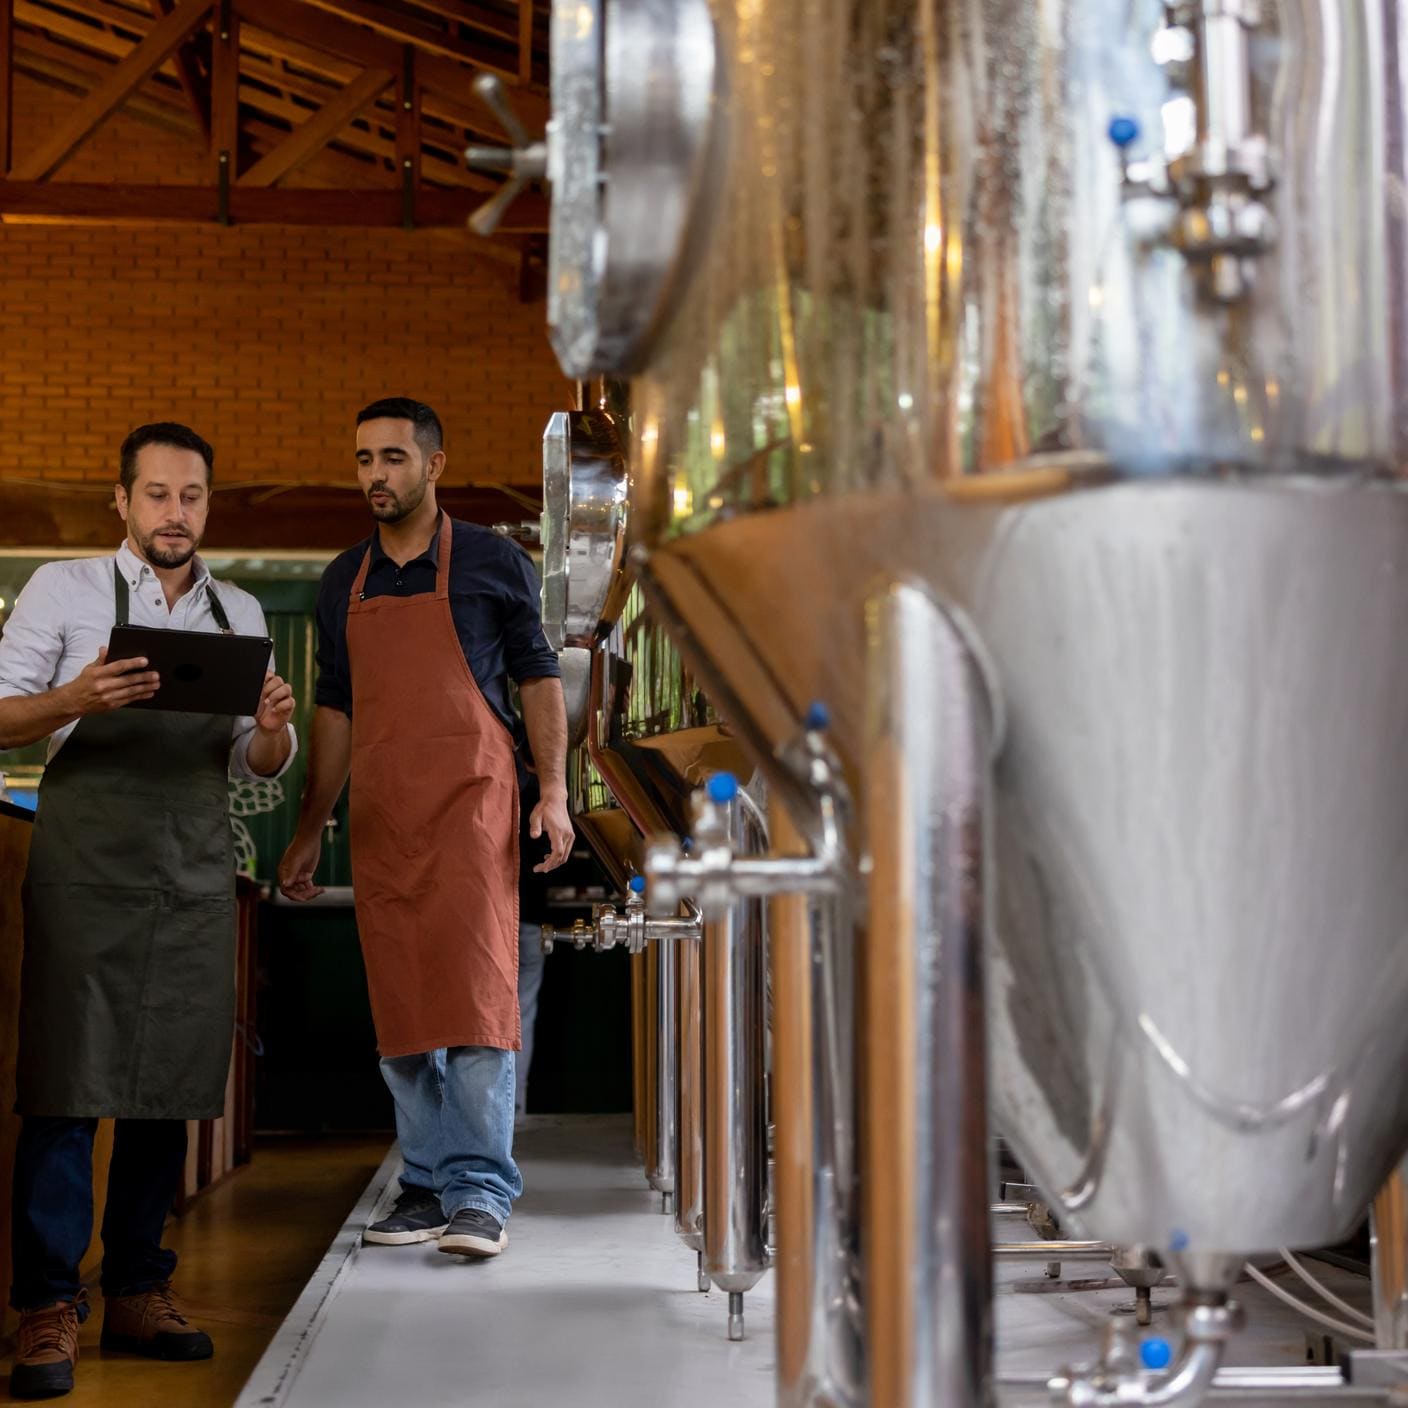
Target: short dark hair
<point x="429" y="433"/>
<point x="162" y="432"/>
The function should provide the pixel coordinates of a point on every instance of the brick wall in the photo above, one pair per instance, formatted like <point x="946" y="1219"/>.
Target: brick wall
<point x="267" y="340"/>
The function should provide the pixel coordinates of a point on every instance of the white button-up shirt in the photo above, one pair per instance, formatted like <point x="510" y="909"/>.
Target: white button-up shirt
<point x="66" y="613"/>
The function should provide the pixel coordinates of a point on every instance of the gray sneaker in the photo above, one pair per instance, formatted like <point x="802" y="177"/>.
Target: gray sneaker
<point x="473" y="1232"/>
<point x="415" y="1218"/>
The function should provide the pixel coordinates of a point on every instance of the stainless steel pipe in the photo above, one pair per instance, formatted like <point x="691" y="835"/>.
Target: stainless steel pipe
<point x="820" y="1349"/>
<point x="660" y="1153"/>
<point x="928" y="1274"/>
<point x="689" y="1101"/>
<point x="735" y="1108"/>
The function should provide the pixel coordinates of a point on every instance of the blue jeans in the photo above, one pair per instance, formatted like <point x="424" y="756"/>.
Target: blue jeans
<point x="52" y="1209"/>
<point x="530" y="978"/>
<point x="454" y="1121"/>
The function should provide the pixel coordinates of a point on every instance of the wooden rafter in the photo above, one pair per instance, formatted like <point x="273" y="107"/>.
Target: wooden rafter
<point x="382" y="87"/>
<point x="321" y="30"/>
<point x="447" y="97"/>
<point x="161" y="42"/>
<point x="74" y="201"/>
<point x="408" y="139"/>
<point x="7" y="83"/>
<point x="311" y="136"/>
<point x="429" y="37"/>
<point x="225" y="100"/>
<point x="473" y="17"/>
<point x="194" y="83"/>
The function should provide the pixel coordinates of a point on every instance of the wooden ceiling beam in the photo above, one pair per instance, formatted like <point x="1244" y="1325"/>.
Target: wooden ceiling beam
<point x="472" y="17"/>
<point x="315" y="132"/>
<point x="369" y="142"/>
<point x="194" y="83"/>
<point x="430" y="38"/>
<point x="51" y="63"/>
<point x="322" y="30"/>
<point x="73" y="202"/>
<point x="279" y="48"/>
<point x="48" y="62"/>
<point x="7" y="84"/>
<point x="161" y="42"/>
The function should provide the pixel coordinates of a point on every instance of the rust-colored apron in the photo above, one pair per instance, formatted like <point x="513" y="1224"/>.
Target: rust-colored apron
<point x="434" y="821"/>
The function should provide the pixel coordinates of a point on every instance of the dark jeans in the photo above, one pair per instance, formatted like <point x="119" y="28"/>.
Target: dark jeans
<point x="52" y="1214"/>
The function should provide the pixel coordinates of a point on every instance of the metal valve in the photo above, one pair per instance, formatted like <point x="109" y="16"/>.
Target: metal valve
<point x="715" y="876"/>
<point x="629" y="929"/>
<point x="1222" y="225"/>
<point x="525" y="161"/>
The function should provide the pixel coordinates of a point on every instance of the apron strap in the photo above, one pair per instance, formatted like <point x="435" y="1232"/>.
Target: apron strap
<point x="119" y="583"/>
<point x="217" y="611"/>
<point x="123" y="606"/>
<point x="442" y="565"/>
<point x="360" y="581"/>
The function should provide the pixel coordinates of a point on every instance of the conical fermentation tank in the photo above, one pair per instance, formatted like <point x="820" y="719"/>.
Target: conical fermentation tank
<point x="1087" y="322"/>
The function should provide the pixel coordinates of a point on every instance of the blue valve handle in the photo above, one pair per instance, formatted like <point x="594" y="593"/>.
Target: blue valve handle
<point x="637" y="884"/>
<point x="722" y="788"/>
<point x="1156" y="1353"/>
<point x="1123" y="131"/>
<point x="818" y="716"/>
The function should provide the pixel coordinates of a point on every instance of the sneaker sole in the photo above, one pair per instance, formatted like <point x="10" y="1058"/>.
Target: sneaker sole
<point x="465" y="1245"/>
<point x="402" y="1239"/>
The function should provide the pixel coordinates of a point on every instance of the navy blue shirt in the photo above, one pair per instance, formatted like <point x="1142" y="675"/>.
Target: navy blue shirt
<point x="493" y="601"/>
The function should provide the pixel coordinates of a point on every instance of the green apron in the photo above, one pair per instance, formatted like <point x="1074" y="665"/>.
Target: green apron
<point x="127" y="994"/>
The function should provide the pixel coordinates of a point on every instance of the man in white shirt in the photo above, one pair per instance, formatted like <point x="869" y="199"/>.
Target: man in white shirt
<point x="127" y="990"/>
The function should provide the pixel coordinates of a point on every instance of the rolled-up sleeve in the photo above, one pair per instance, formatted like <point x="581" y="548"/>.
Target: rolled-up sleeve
<point x="244" y="727"/>
<point x="33" y="641"/>
<point x="527" y="654"/>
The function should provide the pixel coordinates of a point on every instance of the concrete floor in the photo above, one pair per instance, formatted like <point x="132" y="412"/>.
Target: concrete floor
<point x="594" y="1304"/>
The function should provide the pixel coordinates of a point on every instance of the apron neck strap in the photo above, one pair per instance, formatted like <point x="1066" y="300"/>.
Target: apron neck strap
<point x="360" y="581"/>
<point x="119" y="585"/>
<point x="217" y="610"/>
<point x="442" y="564"/>
<point x="123" y="606"/>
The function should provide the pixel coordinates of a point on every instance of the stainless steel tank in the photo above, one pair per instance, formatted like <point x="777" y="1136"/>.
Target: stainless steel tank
<point x="1080" y="330"/>
<point x="651" y="739"/>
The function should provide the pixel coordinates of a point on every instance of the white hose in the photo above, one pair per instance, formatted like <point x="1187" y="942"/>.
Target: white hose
<point x="1358" y="1316"/>
<point x="1352" y="1332"/>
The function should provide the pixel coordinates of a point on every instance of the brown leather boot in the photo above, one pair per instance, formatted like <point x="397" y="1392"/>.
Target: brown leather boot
<point x="151" y="1324"/>
<point x="46" y="1352"/>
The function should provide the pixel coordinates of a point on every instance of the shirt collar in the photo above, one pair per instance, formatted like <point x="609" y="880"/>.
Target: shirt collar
<point x="135" y="570"/>
<point x="431" y="554"/>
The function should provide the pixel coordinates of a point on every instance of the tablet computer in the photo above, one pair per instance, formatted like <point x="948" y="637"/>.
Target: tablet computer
<point x="201" y="672"/>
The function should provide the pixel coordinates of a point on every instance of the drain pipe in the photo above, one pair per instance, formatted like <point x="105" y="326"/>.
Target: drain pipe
<point x="1116" y="1382"/>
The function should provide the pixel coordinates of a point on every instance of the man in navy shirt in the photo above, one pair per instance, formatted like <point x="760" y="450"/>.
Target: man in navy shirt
<point x="421" y="627"/>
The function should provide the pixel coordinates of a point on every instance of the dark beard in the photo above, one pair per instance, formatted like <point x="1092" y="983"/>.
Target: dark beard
<point x="397" y="509"/>
<point x="169" y="557"/>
